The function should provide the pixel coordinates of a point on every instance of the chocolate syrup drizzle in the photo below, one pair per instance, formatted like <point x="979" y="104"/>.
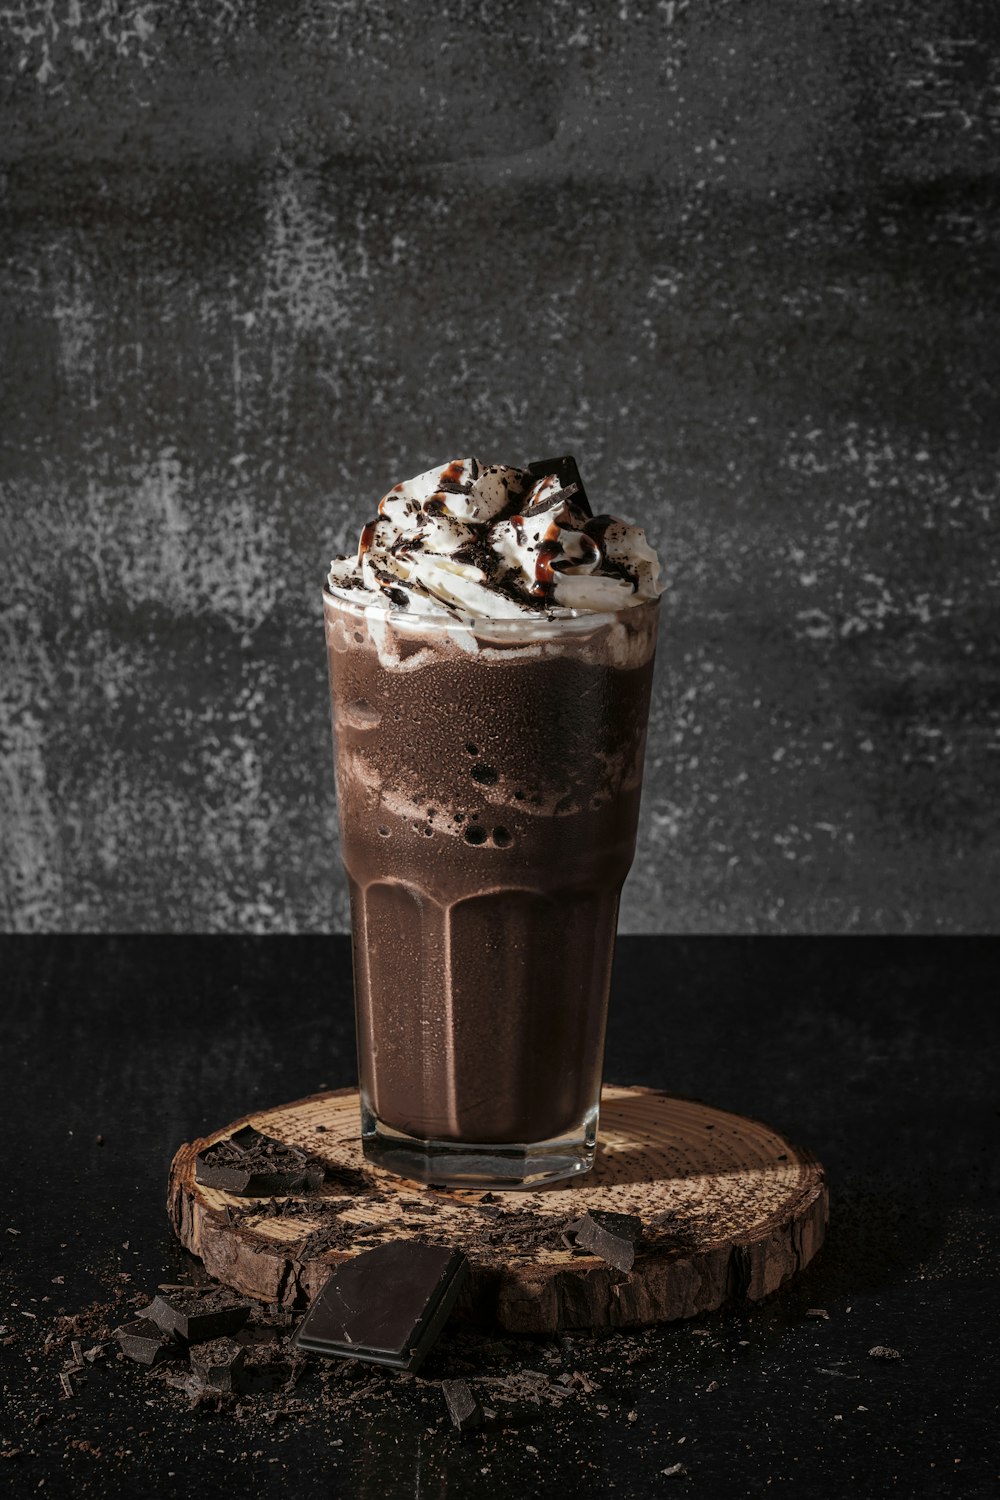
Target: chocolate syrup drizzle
<point x="477" y="552"/>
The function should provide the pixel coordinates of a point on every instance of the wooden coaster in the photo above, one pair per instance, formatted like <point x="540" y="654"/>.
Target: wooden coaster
<point x="731" y="1210"/>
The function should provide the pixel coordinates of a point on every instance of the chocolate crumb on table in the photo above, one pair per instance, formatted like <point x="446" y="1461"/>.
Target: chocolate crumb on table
<point x="267" y="1367"/>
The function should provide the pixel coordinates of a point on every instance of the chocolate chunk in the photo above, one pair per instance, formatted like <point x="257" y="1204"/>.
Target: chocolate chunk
<point x="147" y="1343"/>
<point x="567" y="473"/>
<point x="463" y="1408"/>
<point x="386" y="1306"/>
<point x="196" y="1317"/>
<point x="250" y="1163"/>
<point x="611" y="1236"/>
<point x="218" y="1362"/>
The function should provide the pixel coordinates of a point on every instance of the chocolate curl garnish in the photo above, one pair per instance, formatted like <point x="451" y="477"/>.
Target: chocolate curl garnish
<point x="566" y="471"/>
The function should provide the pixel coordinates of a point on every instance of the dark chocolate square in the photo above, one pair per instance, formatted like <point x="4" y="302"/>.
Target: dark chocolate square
<point x="386" y="1306"/>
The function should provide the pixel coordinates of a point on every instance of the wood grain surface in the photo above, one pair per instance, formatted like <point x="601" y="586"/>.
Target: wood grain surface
<point x="730" y="1208"/>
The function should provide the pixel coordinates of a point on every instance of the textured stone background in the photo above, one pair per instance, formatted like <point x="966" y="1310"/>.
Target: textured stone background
<point x="262" y="260"/>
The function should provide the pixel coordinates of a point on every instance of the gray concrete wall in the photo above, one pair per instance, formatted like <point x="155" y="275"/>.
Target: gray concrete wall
<point x="262" y="260"/>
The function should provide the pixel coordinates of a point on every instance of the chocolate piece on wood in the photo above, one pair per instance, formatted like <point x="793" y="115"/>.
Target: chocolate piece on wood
<point x="217" y="1363"/>
<point x="146" y="1342"/>
<point x="611" y="1236"/>
<point x="463" y="1408"/>
<point x="566" y="471"/>
<point x="386" y="1306"/>
<point x="257" y="1166"/>
<point x="196" y="1316"/>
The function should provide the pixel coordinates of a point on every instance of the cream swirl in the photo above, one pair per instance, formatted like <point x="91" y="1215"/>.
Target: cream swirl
<point x="469" y="541"/>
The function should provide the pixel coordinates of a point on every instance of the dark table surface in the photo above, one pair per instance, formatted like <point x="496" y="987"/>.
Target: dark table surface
<point x="877" y="1053"/>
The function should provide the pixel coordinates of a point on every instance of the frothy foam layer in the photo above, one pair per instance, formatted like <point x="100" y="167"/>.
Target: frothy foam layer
<point x="470" y="541"/>
<point x="408" y="642"/>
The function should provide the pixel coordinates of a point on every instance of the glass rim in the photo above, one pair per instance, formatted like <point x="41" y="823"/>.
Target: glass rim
<point x="485" y="625"/>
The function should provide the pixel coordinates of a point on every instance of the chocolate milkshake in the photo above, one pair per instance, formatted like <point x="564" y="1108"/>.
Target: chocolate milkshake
<point x="491" y="655"/>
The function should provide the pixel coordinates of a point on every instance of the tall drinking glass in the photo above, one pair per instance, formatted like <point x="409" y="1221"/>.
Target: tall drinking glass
<point x="488" y="781"/>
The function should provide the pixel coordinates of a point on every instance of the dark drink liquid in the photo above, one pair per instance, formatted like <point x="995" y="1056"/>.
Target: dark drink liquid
<point x="488" y="782"/>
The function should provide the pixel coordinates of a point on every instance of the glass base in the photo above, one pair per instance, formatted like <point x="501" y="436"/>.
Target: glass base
<point x="465" y="1164"/>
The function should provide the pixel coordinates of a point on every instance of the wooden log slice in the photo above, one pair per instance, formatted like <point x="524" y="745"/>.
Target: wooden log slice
<point x="731" y="1210"/>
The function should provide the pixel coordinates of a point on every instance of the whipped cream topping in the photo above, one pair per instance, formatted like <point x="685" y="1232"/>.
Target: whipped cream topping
<point x="471" y="540"/>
